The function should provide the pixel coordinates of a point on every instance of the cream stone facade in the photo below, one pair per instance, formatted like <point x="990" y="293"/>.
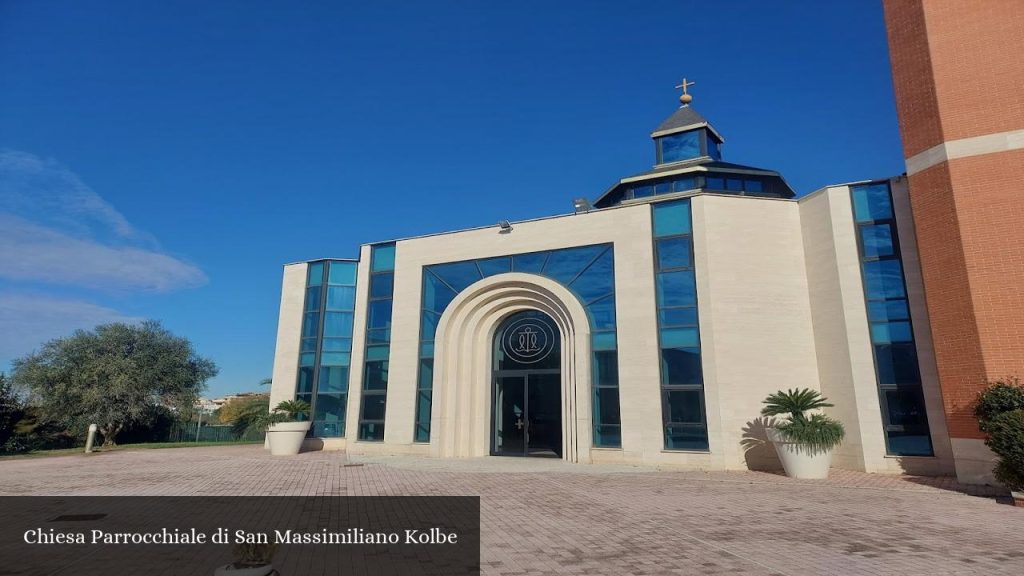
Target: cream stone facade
<point x="782" y="287"/>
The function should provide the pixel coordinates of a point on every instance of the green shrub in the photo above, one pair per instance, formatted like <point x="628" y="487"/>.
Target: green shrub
<point x="1001" y="396"/>
<point x="1006" y="439"/>
<point x="817" y="432"/>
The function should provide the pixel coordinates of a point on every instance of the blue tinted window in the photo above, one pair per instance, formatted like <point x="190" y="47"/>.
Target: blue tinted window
<point x="428" y="327"/>
<point x="683" y="184"/>
<point x="677" y="317"/>
<point x="337" y="345"/>
<point x="597" y="280"/>
<point x="686" y="437"/>
<point x="606" y="371"/>
<point x="604" y="341"/>
<point x="683" y="407"/>
<point x="492" y="266"/>
<point x="565" y="265"/>
<point x="343" y="273"/>
<point x="674" y="253"/>
<point x="606" y="405"/>
<point x="714" y="149"/>
<point x="307" y="359"/>
<point x="312" y="298"/>
<point x="872" y="202"/>
<point x="427" y="349"/>
<point x="715" y="184"/>
<point x="335" y="359"/>
<point x="884" y="333"/>
<point x="378" y="336"/>
<point x="677" y="288"/>
<point x="377" y="352"/>
<point x="882" y="310"/>
<point x="897" y="363"/>
<point x="379" y="314"/>
<point x="316" y="274"/>
<point x="426" y="376"/>
<point x="679" y="338"/>
<point x="876" y="241"/>
<point x="382" y="258"/>
<point x="529" y="263"/>
<point x="333" y="379"/>
<point x="310" y="325"/>
<point x="663" y="188"/>
<point x="734" y="184"/>
<point x="436" y="294"/>
<point x="643" y="191"/>
<point x="458" y="275"/>
<point x="753" y="186"/>
<point x="681" y="366"/>
<point x="884" y="279"/>
<point x="305" y="384"/>
<point x="338" y="324"/>
<point x="381" y="286"/>
<point x="602" y="313"/>
<point x="681" y="146"/>
<point x="671" y="218"/>
<point x="341" y="297"/>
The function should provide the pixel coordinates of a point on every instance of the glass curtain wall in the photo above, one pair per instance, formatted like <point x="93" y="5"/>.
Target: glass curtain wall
<point x="892" y="331"/>
<point x="588" y="271"/>
<point x="682" y="380"/>
<point x="378" y="343"/>
<point x="326" y="346"/>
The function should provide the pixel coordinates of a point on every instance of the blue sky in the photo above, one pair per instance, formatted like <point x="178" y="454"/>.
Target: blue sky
<point x="163" y="160"/>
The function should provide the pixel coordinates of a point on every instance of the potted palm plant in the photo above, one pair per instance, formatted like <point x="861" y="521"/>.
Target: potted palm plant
<point x="804" y="443"/>
<point x="285" y="427"/>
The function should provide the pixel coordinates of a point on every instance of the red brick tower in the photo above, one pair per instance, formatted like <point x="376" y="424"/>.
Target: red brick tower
<point x="958" y="72"/>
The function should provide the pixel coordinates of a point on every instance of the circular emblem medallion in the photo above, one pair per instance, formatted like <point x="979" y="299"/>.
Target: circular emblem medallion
<point x="528" y="341"/>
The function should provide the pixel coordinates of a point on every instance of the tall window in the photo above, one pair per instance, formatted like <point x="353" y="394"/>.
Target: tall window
<point x="326" y="346"/>
<point x="378" y="343"/>
<point x="588" y="271"/>
<point x="682" y="381"/>
<point x="892" y="331"/>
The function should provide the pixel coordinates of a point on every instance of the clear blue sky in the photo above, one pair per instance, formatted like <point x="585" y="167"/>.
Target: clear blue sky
<point x="163" y="160"/>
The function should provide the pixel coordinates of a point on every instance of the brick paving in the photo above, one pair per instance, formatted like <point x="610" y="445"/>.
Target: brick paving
<point x="549" y="517"/>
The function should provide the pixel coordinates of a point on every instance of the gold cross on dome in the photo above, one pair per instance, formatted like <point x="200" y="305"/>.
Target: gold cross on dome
<point x="685" y="85"/>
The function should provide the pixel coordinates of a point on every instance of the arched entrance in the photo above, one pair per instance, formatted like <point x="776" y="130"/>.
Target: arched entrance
<point x="527" y="383"/>
<point x="463" y="384"/>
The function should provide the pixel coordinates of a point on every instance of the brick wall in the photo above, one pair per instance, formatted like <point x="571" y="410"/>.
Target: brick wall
<point x="957" y="73"/>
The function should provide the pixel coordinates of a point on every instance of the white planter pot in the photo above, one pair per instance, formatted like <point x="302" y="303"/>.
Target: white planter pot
<point x="285" y="438"/>
<point x="798" y="460"/>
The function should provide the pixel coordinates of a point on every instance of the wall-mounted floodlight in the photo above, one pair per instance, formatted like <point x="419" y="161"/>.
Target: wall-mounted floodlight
<point x="504" y="227"/>
<point x="581" y="205"/>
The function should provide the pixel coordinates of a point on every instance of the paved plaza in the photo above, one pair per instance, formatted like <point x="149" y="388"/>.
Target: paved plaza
<point x="549" y="517"/>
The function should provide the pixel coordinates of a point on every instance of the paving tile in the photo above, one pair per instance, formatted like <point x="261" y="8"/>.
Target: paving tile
<point x="548" y="517"/>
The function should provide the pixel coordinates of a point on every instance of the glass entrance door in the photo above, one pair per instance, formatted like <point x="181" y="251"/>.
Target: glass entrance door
<point x="528" y="415"/>
<point x="527" y="410"/>
<point x="510" y="416"/>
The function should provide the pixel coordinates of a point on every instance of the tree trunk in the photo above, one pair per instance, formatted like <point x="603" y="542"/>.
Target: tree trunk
<point x="110" y="435"/>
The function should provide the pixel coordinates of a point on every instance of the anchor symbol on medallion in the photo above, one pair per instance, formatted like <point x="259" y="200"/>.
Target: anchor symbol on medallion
<point x="527" y="341"/>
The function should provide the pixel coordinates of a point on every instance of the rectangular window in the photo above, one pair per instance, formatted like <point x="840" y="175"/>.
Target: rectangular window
<point x="327" y="344"/>
<point x="378" y="337"/>
<point x="679" y="147"/>
<point x="892" y="333"/>
<point x="682" y="382"/>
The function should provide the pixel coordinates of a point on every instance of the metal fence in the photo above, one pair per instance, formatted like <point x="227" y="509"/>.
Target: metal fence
<point x="186" y="432"/>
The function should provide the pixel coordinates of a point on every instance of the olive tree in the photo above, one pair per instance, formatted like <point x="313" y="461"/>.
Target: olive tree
<point x="113" y="376"/>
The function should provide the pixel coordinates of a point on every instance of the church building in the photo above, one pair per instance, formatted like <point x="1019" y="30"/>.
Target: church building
<point x="645" y="327"/>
